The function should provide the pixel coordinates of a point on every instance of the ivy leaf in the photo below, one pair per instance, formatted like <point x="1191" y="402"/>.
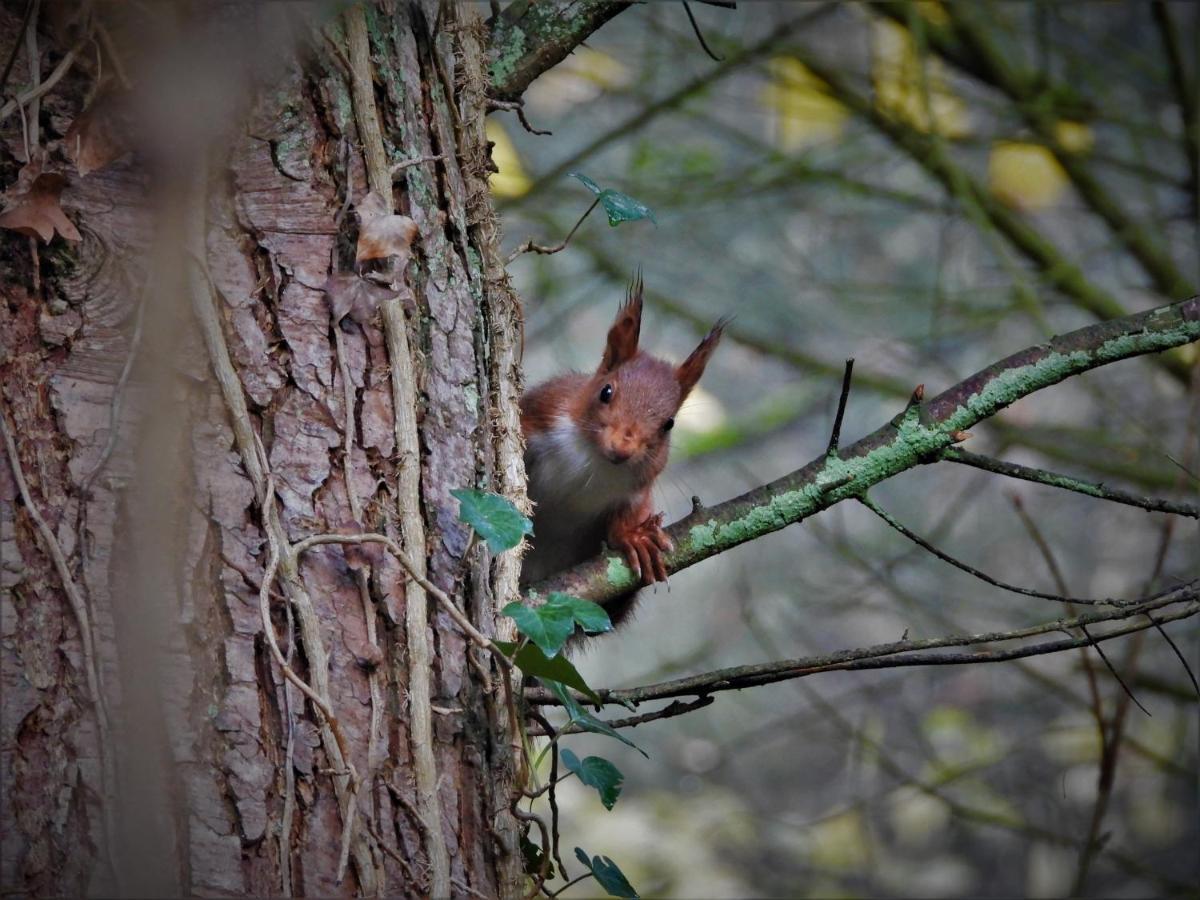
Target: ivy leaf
<point x="587" y="182"/>
<point x="493" y="517"/>
<point x="547" y="626"/>
<point x="532" y="661"/>
<point x="590" y="616"/>
<point x="585" y="720"/>
<point x="552" y="624"/>
<point x="597" y="772"/>
<point x="608" y="875"/>
<point x="619" y="207"/>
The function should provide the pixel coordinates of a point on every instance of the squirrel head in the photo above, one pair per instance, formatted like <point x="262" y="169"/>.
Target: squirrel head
<point x="633" y="397"/>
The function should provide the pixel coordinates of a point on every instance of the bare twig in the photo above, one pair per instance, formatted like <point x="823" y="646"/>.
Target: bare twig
<point x="971" y="570"/>
<point x="835" y="435"/>
<point x="699" y="34"/>
<point x="1069" y="483"/>
<point x="670" y="711"/>
<point x="517" y="106"/>
<point x="530" y="247"/>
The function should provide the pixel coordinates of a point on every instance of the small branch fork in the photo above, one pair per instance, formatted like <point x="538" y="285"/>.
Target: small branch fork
<point x="517" y="106"/>
<point x="530" y="247"/>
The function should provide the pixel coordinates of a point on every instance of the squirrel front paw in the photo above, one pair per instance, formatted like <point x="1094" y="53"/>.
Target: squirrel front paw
<point x="643" y="546"/>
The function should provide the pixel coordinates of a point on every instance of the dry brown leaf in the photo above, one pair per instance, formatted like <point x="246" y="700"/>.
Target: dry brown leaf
<point x="35" y="210"/>
<point x="355" y="297"/>
<point x="96" y="137"/>
<point x="382" y="234"/>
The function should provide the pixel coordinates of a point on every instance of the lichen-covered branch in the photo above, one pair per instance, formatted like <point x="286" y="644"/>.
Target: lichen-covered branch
<point x="530" y="37"/>
<point x="918" y="435"/>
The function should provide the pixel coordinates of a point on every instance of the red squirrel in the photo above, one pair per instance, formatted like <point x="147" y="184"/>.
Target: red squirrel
<point x="594" y="445"/>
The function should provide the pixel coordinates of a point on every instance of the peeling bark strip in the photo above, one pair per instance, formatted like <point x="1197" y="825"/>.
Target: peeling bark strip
<point x="918" y="435"/>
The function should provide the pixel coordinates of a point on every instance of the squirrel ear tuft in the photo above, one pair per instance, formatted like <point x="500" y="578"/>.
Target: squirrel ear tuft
<point x="692" y="368"/>
<point x="623" y="336"/>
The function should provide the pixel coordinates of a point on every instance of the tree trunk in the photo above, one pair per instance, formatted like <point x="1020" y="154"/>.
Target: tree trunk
<point x="151" y="742"/>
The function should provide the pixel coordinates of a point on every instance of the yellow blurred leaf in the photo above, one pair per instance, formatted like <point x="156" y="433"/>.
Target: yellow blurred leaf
<point x="510" y="180"/>
<point x="1074" y="136"/>
<point x="839" y="842"/>
<point x="580" y="78"/>
<point x="1026" y="176"/>
<point x="896" y="75"/>
<point x="803" y="114"/>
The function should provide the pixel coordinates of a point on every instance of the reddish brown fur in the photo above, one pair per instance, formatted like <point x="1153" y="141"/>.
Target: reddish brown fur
<point x="629" y="432"/>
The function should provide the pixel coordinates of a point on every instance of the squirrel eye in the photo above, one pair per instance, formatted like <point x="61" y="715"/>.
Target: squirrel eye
<point x="606" y="393"/>
<point x="668" y="425"/>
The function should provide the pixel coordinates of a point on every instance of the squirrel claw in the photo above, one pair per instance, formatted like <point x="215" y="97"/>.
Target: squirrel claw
<point x="643" y="547"/>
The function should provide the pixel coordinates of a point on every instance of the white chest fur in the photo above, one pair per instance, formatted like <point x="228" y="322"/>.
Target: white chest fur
<point x="570" y="478"/>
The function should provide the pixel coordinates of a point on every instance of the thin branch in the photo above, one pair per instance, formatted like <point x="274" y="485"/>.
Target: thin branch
<point x="835" y="435"/>
<point x="971" y="570"/>
<point x="699" y="34"/>
<point x="530" y="247"/>
<point x="914" y="437"/>
<point x="518" y="106"/>
<point x="670" y="711"/>
<point x="903" y="653"/>
<point x="1068" y="483"/>
<point x="1060" y="582"/>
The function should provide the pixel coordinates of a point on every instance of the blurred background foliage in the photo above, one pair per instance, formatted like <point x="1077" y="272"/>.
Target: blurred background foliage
<point x="926" y="188"/>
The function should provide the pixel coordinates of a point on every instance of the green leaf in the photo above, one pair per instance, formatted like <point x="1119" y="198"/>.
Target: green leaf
<point x="551" y="624"/>
<point x="493" y="517"/>
<point x="623" y="208"/>
<point x="587" y="182"/>
<point x="547" y="626"/>
<point x="619" y="207"/>
<point x="590" y="616"/>
<point x="608" y="875"/>
<point x="532" y="661"/>
<point x="597" y="772"/>
<point x="506" y="647"/>
<point x="585" y="720"/>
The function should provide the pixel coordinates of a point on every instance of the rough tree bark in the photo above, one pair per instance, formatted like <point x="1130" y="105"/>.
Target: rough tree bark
<point x="150" y="742"/>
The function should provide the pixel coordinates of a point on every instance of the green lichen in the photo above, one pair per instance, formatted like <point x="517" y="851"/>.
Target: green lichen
<point x="702" y="537"/>
<point x="510" y="50"/>
<point x="619" y="575"/>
